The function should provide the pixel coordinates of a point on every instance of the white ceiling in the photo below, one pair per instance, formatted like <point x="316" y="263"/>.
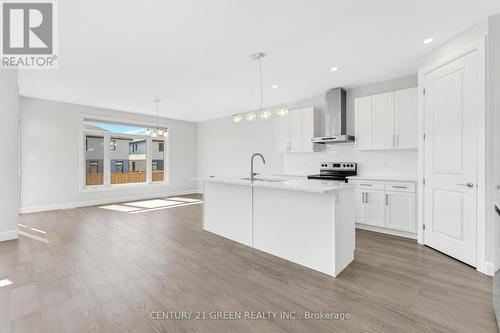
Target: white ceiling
<point x="122" y="54"/>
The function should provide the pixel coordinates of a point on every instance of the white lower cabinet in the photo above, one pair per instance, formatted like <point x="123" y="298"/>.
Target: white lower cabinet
<point x="400" y="211"/>
<point x="386" y="205"/>
<point x="370" y="208"/>
<point x="359" y="208"/>
<point x="375" y="208"/>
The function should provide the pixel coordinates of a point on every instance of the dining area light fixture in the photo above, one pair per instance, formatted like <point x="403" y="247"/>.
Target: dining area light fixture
<point x="157" y="131"/>
<point x="261" y="113"/>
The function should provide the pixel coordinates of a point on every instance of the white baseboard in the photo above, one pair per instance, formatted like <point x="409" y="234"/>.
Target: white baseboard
<point x="386" y="231"/>
<point x="8" y="235"/>
<point x="489" y="269"/>
<point x="70" y="205"/>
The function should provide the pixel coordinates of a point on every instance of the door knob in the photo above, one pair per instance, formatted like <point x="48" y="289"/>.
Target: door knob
<point x="468" y="184"/>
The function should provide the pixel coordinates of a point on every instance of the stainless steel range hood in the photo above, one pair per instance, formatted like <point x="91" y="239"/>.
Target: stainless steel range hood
<point x="335" y="118"/>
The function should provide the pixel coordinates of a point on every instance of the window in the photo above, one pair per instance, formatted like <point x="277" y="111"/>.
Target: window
<point x="126" y="159"/>
<point x="157" y="161"/>
<point x="94" y="157"/>
<point x="130" y="151"/>
<point x="118" y="167"/>
<point x="93" y="167"/>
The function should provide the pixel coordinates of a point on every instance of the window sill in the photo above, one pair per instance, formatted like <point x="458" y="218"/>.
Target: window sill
<point x="117" y="187"/>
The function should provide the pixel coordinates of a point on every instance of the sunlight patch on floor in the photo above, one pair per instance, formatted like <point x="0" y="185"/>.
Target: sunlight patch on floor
<point x="157" y="203"/>
<point x="166" y="207"/>
<point x="120" y="208"/>
<point x="144" y="206"/>
<point x="38" y="238"/>
<point x="184" y="199"/>
<point x="5" y="282"/>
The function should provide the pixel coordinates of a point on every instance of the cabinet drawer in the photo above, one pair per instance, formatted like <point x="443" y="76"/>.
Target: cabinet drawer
<point x="369" y="184"/>
<point x="400" y="186"/>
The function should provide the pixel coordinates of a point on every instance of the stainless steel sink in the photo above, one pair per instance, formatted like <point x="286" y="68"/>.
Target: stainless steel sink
<point x="264" y="180"/>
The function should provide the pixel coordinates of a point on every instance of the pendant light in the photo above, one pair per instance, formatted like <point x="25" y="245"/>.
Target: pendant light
<point x="262" y="114"/>
<point x="157" y="131"/>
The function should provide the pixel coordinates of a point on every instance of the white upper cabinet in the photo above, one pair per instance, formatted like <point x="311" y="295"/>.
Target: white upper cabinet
<point x="295" y="131"/>
<point x="283" y="143"/>
<point x="386" y="121"/>
<point x="295" y="123"/>
<point x="383" y="121"/>
<point x="405" y="118"/>
<point x="363" y="122"/>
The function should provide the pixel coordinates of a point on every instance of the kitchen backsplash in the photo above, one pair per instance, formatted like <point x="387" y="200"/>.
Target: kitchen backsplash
<point x="372" y="163"/>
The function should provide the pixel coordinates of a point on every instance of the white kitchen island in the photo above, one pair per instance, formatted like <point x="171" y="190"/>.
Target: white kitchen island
<point x="308" y="222"/>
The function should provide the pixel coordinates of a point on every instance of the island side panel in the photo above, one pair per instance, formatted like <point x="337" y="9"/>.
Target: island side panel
<point x="228" y="211"/>
<point x="297" y="226"/>
<point x="344" y="229"/>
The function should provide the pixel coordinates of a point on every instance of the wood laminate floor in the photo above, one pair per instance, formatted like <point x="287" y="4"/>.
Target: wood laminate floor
<point x="106" y="270"/>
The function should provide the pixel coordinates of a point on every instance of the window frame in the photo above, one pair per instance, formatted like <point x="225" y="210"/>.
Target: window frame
<point x="107" y="186"/>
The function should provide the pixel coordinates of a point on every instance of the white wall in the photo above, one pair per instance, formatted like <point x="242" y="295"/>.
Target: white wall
<point x="225" y="148"/>
<point x="494" y="134"/>
<point x="463" y="39"/>
<point x="50" y="157"/>
<point x="9" y="104"/>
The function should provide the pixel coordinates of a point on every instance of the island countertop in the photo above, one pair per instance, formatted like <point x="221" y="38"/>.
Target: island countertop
<point x="304" y="185"/>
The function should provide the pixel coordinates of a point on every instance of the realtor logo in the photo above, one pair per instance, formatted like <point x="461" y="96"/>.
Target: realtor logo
<point x="28" y="34"/>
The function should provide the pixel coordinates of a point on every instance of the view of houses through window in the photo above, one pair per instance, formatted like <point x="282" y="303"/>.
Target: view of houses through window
<point x="128" y="153"/>
<point x="94" y="159"/>
<point x="157" y="160"/>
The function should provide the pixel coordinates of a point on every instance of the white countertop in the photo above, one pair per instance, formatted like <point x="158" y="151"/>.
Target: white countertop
<point x="386" y="178"/>
<point x="304" y="185"/>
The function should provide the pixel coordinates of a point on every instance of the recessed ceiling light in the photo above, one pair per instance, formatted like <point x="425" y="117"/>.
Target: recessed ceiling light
<point x="428" y="40"/>
<point x="274" y="86"/>
<point x="334" y="68"/>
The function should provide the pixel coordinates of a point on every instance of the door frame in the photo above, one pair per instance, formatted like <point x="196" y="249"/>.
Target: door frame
<point x="481" y="243"/>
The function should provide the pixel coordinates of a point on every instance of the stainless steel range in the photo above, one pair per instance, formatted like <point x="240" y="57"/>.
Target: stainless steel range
<point x="336" y="171"/>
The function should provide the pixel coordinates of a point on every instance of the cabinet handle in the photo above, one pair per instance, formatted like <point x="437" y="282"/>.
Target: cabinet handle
<point x="399" y="186"/>
<point x="365" y="184"/>
<point x="387" y="199"/>
<point x="366" y="197"/>
<point x="363" y="197"/>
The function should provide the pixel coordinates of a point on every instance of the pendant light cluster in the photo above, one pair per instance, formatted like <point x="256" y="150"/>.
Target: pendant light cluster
<point x="157" y="131"/>
<point x="262" y="114"/>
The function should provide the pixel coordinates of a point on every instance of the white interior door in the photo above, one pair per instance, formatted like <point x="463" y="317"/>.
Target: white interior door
<point x="451" y="113"/>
